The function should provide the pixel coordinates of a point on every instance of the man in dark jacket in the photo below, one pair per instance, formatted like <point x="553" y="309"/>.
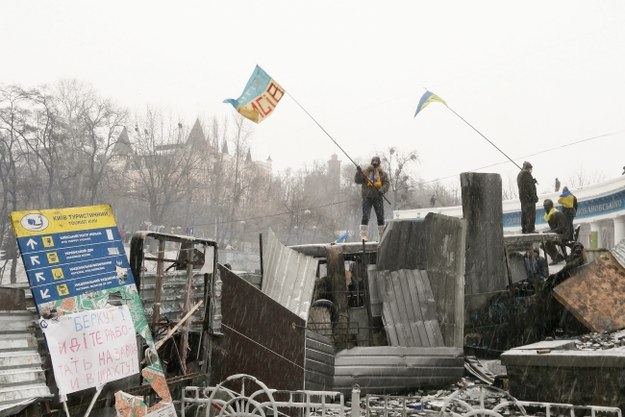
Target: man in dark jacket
<point x="557" y="224"/>
<point x="528" y="197"/>
<point x="375" y="183"/>
<point x="569" y="208"/>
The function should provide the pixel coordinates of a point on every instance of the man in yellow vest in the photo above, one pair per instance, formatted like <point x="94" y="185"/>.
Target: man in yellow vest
<point x="569" y="208"/>
<point x="557" y="224"/>
<point x="374" y="181"/>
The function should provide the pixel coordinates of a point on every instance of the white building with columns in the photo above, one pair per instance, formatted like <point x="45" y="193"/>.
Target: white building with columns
<point x="600" y="213"/>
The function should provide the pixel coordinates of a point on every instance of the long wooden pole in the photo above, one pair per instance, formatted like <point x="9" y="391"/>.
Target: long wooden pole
<point x="335" y="142"/>
<point x="182" y="321"/>
<point x="482" y="135"/>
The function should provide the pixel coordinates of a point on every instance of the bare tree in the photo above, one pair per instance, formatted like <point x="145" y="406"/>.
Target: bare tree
<point x="164" y="166"/>
<point x="581" y="178"/>
<point x="45" y="139"/>
<point x="93" y="125"/>
<point x="292" y="225"/>
<point x="236" y="183"/>
<point x="398" y="164"/>
<point x="219" y="186"/>
<point x="13" y="124"/>
<point x="511" y="192"/>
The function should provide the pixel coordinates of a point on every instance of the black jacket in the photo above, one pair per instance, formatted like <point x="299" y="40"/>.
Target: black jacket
<point x="527" y="187"/>
<point x="559" y="224"/>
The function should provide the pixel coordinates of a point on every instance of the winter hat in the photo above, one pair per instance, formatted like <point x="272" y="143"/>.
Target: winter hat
<point x="565" y="192"/>
<point x="527" y="165"/>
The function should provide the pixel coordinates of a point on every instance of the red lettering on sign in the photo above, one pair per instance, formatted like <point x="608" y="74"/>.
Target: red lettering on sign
<point x="262" y="105"/>
<point x="74" y="384"/>
<point x="275" y="91"/>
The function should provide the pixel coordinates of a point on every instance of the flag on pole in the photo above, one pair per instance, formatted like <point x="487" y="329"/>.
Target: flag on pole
<point x="427" y="98"/>
<point x="259" y="98"/>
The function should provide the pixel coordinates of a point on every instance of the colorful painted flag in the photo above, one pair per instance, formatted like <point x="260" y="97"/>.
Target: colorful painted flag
<point x="427" y="98"/>
<point x="259" y="98"/>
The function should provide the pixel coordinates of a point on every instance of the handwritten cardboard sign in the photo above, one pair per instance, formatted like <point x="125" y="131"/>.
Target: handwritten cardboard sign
<point x="90" y="348"/>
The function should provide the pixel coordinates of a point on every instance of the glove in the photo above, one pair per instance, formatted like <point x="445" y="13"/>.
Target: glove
<point x="358" y="168"/>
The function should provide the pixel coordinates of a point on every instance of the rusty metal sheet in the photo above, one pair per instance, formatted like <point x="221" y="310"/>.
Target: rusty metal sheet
<point x="595" y="294"/>
<point x="261" y="337"/>
<point x="409" y="309"/>
<point x="289" y="276"/>
<point x="12" y="299"/>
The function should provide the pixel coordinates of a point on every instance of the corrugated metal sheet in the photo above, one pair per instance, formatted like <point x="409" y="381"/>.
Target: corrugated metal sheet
<point x="435" y="244"/>
<point x="319" y="362"/>
<point x="22" y="378"/>
<point x="386" y="369"/>
<point x="409" y="309"/>
<point x="289" y="276"/>
<point x="595" y="294"/>
<point x="320" y="250"/>
<point x="619" y="252"/>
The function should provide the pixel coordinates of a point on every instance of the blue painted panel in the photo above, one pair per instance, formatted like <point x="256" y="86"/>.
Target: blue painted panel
<point x="60" y="290"/>
<point x="36" y="244"/>
<point x="38" y="260"/>
<point x="77" y="270"/>
<point x="60" y="265"/>
<point x="609" y="204"/>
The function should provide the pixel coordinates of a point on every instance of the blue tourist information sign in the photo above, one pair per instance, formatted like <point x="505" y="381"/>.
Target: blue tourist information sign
<point x="86" y="295"/>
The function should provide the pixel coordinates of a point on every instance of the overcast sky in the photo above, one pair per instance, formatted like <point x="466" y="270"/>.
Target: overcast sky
<point x="531" y="76"/>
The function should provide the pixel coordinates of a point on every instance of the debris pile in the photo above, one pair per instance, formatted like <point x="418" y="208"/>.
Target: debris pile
<point x="600" y="341"/>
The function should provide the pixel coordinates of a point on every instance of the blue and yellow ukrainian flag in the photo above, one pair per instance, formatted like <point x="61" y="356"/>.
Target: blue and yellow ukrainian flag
<point x="427" y="98"/>
<point x="343" y="237"/>
<point x="259" y="98"/>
